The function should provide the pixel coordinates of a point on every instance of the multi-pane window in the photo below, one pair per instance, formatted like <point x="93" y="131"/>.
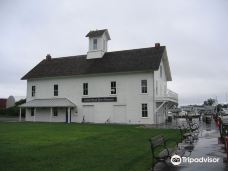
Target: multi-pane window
<point x="56" y="90"/>
<point x="143" y="86"/>
<point x="94" y="44"/>
<point x="85" y="88"/>
<point x="33" y="91"/>
<point x="144" y="110"/>
<point x="32" y="111"/>
<point x="161" y="71"/>
<point x="55" y="111"/>
<point x="156" y="87"/>
<point x="113" y="87"/>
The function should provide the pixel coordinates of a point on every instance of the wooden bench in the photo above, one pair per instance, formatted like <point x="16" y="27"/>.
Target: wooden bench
<point x="160" y="150"/>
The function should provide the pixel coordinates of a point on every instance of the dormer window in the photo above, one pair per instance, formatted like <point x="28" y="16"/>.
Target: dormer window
<point x="94" y="44"/>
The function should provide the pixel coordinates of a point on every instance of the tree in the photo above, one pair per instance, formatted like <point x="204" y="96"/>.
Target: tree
<point x="209" y="102"/>
<point x="22" y="101"/>
<point x="219" y="107"/>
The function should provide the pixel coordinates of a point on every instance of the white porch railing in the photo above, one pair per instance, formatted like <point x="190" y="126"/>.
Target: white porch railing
<point x="168" y="96"/>
<point x="172" y="95"/>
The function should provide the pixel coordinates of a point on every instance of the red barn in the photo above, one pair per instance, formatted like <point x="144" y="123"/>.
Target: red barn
<point x="3" y="103"/>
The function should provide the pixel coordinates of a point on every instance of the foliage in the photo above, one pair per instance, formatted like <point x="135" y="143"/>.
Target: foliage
<point x="59" y="146"/>
<point x="219" y="107"/>
<point x="13" y="111"/>
<point x="209" y="102"/>
<point x="20" y="102"/>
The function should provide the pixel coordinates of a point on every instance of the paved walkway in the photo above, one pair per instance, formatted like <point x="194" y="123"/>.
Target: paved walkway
<point x="208" y="145"/>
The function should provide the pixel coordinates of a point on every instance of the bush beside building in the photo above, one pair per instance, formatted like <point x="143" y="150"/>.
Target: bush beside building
<point x="14" y="110"/>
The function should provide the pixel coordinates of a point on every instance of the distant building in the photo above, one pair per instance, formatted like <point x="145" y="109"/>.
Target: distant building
<point x="128" y="86"/>
<point x="3" y="103"/>
<point x="6" y="103"/>
<point x="10" y="102"/>
<point x="198" y="108"/>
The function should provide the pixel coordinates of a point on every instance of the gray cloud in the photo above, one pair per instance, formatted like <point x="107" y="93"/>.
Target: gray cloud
<point x="194" y="31"/>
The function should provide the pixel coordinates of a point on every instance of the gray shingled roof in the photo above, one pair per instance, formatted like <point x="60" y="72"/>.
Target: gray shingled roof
<point x="96" y="33"/>
<point x="112" y="62"/>
<point x="55" y="102"/>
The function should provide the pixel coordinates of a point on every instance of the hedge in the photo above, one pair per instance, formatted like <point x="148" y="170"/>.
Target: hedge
<point x="13" y="111"/>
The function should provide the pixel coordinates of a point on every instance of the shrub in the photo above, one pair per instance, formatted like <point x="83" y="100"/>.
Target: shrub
<point x="22" y="101"/>
<point x="13" y="111"/>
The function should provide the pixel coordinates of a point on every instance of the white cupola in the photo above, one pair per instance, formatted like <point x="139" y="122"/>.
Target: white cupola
<point x="98" y="43"/>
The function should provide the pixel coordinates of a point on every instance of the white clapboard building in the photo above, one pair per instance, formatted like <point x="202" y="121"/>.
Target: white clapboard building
<point x="128" y="86"/>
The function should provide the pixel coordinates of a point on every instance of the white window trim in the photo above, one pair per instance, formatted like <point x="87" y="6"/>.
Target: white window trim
<point x="111" y="88"/>
<point x="56" y="90"/>
<point x="145" y="117"/>
<point x="146" y="94"/>
<point x="146" y="110"/>
<point x="94" y="44"/>
<point x="57" y="112"/>
<point x="33" y="92"/>
<point x="144" y="86"/>
<point x="87" y="89"/>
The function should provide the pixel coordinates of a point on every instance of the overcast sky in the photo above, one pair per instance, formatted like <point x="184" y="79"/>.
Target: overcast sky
<point x="195" y="33"/>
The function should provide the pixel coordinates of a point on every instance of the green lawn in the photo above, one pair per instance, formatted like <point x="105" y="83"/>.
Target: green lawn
<point x="60" y="146"/>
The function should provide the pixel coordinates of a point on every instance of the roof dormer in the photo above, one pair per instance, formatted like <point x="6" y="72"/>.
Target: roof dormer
<point x="98" y="43"/>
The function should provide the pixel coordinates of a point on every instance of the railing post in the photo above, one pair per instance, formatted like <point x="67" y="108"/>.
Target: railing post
<point x="20" y="115"/>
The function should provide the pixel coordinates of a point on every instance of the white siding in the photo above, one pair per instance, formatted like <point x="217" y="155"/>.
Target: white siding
<point x="162" y="82"/>
<point x="88" y="113"/>
<point x="102" y="42"/>
<point x="162" y="90"/>
<point x="128" y="94"/>
<point x="119" y="114"/>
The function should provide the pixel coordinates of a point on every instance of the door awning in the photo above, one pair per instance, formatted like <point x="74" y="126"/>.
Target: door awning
<point x="54" y="102"/>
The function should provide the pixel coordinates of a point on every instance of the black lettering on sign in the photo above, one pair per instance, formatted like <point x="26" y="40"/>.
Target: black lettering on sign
<point x="99" y="99"/>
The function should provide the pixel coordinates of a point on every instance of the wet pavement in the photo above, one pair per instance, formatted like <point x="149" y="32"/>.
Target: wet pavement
<point x="208" y="145"/>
